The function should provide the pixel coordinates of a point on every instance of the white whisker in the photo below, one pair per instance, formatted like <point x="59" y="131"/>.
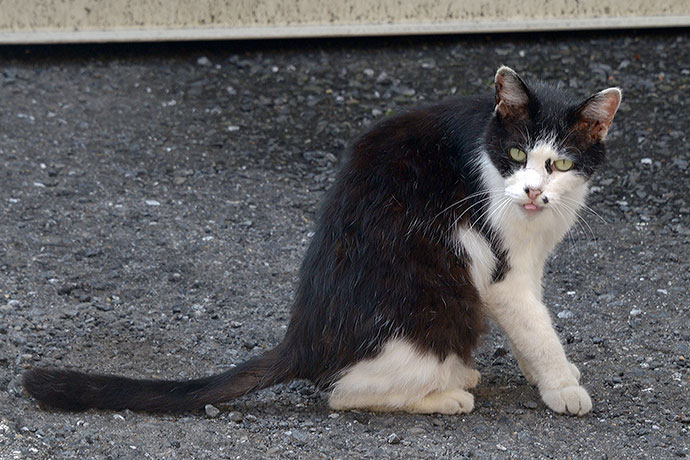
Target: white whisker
<point x="585" y="207"/>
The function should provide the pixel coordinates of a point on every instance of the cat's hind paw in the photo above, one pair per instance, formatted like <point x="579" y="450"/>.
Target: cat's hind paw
<point x="572" y="400"/>
<point x="445" y="402"/>
<point x="471" y="379"/>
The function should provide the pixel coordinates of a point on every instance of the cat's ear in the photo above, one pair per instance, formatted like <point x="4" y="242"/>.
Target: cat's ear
<point x="512" y="94"/>
<point x="595" y="115"/>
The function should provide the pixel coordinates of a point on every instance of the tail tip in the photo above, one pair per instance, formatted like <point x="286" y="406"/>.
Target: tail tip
<point x="53" y="387"/>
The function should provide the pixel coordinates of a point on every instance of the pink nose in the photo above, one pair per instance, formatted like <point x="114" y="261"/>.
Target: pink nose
<point x="533" y="193"/>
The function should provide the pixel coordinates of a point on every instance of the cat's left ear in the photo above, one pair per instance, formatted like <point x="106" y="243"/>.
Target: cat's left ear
<point x="595" y="115"/>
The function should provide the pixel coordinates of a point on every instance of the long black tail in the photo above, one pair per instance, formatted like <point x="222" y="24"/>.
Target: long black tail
<point x="75" y="391"/>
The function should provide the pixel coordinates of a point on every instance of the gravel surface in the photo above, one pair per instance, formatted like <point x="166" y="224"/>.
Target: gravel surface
<point x="156" y="200"/>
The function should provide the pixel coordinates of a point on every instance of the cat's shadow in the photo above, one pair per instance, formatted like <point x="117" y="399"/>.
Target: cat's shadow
<point x="301" y="399"/>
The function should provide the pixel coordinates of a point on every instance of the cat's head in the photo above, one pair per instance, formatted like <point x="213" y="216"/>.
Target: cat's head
<point x="543" y="145"/>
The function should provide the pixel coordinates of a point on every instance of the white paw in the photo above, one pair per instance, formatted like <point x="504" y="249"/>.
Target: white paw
<point x="471" y="379"/>
<point x="569" y="400"/>
<point x="447" y="402"/>
<point x="574" y="370"/>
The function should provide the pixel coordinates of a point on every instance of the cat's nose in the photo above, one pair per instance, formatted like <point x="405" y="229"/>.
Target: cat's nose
<point x="532" y="193"/>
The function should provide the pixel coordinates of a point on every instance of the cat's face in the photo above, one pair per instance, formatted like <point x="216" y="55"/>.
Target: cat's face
<point x="543" y="147"/>
<point x="544" y="176"/>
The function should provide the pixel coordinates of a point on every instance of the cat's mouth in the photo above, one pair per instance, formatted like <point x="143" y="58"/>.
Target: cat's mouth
<point x="531" y="208"/>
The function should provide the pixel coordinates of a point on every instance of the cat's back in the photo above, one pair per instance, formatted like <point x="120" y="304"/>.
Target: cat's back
<point x="451" y="127"/>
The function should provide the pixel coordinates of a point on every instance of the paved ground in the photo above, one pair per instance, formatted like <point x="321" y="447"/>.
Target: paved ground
<point x="155" y="202"/>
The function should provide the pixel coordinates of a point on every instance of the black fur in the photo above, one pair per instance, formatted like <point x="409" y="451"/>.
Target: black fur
<point x="76" y="391"/>
<point x="382" y="262"/>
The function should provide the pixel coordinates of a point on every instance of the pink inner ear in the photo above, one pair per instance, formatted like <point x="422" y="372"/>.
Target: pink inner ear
<point x="509" y="89"/>
<point x="597" y="114"/>
<point x="603" y="107"/>
<point x="511" y="97"/>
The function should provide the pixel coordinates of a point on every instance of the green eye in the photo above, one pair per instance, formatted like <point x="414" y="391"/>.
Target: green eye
<point x="563" y="165"/>
<point x="517" y="154"/>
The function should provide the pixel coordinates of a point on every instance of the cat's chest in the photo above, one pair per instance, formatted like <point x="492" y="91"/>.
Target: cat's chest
<point x="478" y="255"/>
<point x="517" y="258"/>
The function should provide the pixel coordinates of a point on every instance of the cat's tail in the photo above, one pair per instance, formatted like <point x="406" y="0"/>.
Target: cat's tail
<point x="76" y="391"/>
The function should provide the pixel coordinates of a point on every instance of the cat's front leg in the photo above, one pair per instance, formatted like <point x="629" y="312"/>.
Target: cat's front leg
<point x="530" y="374"/>
<point x="526" y="322"/>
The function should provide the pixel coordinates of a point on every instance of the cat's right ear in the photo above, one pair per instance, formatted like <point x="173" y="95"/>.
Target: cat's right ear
<point x="595" y="115"/>
<point x="512" y="95"/>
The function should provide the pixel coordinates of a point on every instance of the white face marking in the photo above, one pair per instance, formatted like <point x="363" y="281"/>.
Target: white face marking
<point x="555" y="193"/>
<point x="535" y="175"/>
<point x="529" y="236"/>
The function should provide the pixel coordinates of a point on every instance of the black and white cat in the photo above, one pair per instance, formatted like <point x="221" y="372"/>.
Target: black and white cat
<point x="439" y="218"/>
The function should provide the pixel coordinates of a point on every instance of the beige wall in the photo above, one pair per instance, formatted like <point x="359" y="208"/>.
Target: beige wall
<point x="121" y="20"/>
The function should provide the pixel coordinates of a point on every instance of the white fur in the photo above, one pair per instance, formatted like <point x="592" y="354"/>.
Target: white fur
<point x="481" y="256"/>
<point x="515" y="302"/>
<point x="404" y="378"/>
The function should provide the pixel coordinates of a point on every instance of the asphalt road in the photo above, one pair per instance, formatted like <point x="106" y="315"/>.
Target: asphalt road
<point x="156" y="200"/>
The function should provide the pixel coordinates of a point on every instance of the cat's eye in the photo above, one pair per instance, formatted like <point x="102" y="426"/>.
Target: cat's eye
<point x="517" y="154"/>
<point x="563" y="164"/>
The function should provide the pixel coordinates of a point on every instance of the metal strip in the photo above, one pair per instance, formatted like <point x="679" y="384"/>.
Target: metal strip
<point x="337" y="30"/>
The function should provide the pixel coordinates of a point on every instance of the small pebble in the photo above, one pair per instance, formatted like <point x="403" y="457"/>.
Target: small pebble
<point x="273" y="451"/>
<point x="530" y="405"/>
<point x="299" y="436"/>
<point x="235" y="416"/>
<point x="393" y="439"/>
<point x="680" y="163"/>
<point x="211" y="410"/>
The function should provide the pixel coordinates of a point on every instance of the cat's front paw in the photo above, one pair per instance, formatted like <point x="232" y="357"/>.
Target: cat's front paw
<point x="572" y="400"/>
<point x="574" y="371"/>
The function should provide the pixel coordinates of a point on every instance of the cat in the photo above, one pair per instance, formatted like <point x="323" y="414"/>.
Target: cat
<point x="439" y="218"/>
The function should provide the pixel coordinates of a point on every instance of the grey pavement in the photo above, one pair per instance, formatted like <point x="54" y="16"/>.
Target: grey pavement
<point x="156" y="200"/>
